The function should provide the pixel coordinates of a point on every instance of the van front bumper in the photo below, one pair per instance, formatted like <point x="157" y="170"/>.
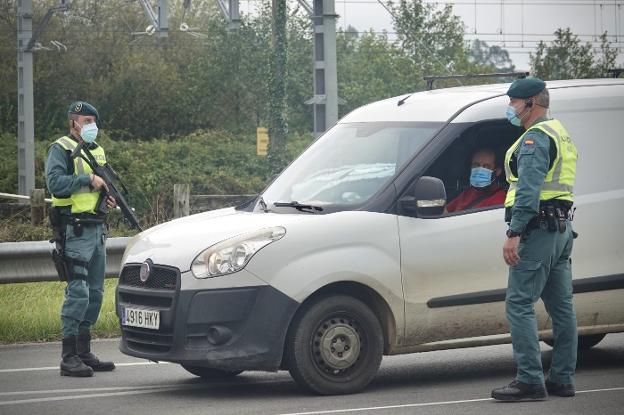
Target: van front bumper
<point x="240" y="328"/>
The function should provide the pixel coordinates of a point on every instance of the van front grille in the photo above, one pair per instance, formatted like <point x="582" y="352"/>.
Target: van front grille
<point x="148" y="341"/>
<point x="160" y="277"/>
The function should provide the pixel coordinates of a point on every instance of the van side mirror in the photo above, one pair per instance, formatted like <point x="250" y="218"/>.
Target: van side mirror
<point x="425" y="198"/>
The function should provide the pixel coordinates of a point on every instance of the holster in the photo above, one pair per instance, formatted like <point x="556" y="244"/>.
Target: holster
<point x="555" y="216"/>
<point x="63" y="264"/>
<point x="548" y="214"/>
<point x="58" y="222"/>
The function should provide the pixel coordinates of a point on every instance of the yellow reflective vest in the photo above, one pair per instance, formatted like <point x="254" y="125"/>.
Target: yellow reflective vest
<point x="559" y="181"/>
<point x="84" y="200"/>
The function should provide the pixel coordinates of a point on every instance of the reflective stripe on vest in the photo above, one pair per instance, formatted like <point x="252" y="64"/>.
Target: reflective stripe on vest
<point x="84" y="200"/>
<point x="559" y="181"/>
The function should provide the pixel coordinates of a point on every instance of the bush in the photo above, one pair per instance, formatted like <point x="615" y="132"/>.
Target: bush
<point x="212" y="162"/>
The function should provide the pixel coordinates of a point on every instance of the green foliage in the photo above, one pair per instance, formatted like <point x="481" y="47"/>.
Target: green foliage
<point x="8" y="167"/>
<point x="432" y="37"/>
<point x="568" y="58"/>
<point x="185" y="108"/>
<point x="371" y="68"/>
<point x="211" y="161"/>
<point x="17" y="228"/>
<point x="490" y="58"/>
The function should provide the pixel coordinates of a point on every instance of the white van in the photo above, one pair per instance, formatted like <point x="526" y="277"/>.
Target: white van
<point x="348" y="255"/>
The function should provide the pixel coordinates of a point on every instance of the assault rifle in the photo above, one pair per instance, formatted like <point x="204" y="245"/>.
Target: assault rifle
<point x="109" y="176"/>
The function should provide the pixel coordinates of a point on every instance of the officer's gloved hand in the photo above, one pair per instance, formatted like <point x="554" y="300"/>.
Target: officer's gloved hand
<point x="97" y="183"/>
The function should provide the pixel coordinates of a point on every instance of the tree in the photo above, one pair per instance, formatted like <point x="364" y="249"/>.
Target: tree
<point x="489" y="58"/>
<point x="370" y="68"/>
<point x="568" y="58"/>
<point x="432" y="37"/>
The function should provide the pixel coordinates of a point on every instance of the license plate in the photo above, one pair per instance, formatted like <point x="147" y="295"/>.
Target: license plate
<point x="139" y="317"/>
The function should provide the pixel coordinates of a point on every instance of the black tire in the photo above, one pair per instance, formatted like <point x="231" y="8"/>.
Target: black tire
<point x="211" y="374"/>
<point x="334" y="346"/>
<point x="585" y="342"/>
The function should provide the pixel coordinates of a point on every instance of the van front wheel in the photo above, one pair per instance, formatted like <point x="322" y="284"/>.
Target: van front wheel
<point x="334" y="346"/>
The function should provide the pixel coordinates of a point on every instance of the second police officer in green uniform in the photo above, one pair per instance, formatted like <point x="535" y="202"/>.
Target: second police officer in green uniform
<point x="81" y="238"/>
<point x="541" y="169"/>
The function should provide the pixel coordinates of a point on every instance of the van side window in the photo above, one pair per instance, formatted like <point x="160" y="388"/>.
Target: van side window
<point x="472" y="167"/>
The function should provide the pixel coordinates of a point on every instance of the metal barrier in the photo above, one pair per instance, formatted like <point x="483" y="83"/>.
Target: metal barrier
<point x="18" y="197"/>
<point x="32" y="261"/>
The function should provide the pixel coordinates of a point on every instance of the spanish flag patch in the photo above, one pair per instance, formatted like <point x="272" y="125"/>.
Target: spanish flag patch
<point x="528" y="142"/>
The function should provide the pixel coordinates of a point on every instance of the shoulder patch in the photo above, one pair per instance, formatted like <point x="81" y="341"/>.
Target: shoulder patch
<point x="528" y="146"/>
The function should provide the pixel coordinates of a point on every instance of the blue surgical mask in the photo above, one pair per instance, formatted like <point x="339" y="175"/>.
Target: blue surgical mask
<point x="481" y="177"/>
<point x="89" y="132"/>
<point x="512" y="117"/>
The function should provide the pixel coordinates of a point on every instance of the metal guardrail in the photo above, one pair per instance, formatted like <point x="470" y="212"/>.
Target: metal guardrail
<point x="32" y="261"/>
<point x="19" y="197"/>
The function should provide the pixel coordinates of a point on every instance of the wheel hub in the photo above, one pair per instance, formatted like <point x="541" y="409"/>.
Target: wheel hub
<point x="339" y="344"/>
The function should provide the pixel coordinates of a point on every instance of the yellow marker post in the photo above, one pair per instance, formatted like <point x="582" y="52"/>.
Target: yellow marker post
<point x="262" y="143"/>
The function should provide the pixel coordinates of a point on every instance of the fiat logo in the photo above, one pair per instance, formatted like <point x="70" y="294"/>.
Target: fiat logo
<point x="145" y="271"/>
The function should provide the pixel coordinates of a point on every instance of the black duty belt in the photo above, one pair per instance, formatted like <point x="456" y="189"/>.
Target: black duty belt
<point x="559" y="207"/>
<point x="87" y="218"/>
<point x="551" y="217"/>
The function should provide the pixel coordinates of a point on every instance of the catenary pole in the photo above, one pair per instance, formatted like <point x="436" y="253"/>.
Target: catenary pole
<point x="25" y="111"/>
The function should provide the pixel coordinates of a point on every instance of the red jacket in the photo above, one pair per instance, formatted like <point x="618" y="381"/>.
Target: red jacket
<point x="465" y="200"/>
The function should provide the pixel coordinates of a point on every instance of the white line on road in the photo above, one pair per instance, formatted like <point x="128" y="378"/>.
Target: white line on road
<point x="109" y="389"/>
<point x="414" y="405"/>
<point x="95" y="395"/>
<point x="140" y="390"/>
<point x="137" y="390"/>
<point x="34" y="369"/>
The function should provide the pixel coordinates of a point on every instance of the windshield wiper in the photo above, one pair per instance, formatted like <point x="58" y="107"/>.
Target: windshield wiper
<point x="299" y="206"/>
<point x="263" y="204"/>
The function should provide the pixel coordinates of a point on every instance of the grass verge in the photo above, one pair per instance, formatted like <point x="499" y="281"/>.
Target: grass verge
<point x="31" y="312"/>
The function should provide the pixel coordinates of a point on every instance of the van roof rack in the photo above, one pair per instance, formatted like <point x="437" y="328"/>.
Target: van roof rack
<point x="431" y="79"/>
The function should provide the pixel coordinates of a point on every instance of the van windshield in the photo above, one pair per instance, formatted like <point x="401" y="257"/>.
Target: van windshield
<point x="349" y="164"/>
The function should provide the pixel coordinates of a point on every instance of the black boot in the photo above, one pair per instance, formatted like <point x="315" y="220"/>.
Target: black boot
<point x="560" y="389"/>
<point x="518" y="391"/>
<point x="83" y="344"/>
<point x="71" y="365"/>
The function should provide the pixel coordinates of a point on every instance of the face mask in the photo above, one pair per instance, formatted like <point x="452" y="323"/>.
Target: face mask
<point x="89" y="132"/>
<point x="481" y="177"/>
<point x="512" y="117"/>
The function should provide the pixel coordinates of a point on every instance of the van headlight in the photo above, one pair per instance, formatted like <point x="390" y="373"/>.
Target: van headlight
<point x="232" y="255"/>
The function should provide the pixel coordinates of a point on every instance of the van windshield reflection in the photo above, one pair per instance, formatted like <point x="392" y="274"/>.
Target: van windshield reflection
<point x="349" y="164"/>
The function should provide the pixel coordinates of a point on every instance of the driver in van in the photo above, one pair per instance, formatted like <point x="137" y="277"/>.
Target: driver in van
<point x="484" y="188"/>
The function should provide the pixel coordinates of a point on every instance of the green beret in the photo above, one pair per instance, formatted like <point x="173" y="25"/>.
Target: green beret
<point x="526" y="87"/>
<point x="83" y="108"/>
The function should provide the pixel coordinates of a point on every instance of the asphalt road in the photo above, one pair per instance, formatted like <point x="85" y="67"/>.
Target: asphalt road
<point x="443" y="382"/>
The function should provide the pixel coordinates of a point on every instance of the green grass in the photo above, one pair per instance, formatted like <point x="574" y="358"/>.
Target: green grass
<point x="31" y="312"/>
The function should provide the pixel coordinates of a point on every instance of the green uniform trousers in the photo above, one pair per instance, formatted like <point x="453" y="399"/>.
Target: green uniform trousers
<point x="83" y="297"/>
<point x="544" y="271"/>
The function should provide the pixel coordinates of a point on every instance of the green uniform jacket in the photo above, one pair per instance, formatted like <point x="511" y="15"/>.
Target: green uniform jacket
<point x="533" y="162"/>
<point x="59" y="180"/>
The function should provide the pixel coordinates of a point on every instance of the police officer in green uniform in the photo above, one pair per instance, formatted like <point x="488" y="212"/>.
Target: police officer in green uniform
<point x="541" y="169"/>
<point x="80" y="234"/>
